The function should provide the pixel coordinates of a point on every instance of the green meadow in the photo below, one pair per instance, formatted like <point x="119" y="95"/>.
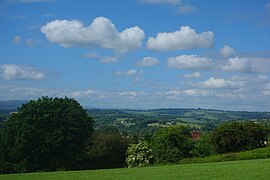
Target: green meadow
<point x="246" y="169"/>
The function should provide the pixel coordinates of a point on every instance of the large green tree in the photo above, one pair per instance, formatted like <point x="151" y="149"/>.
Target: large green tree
<point x="172" y="144"/>
<point x="238" y="136"/>
<point x="46" y="134"/>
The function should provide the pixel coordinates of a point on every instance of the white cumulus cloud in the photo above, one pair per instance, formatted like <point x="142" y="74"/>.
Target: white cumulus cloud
<point x="12" y="71"/>
<point x="185" y="38"/>
<point x="227" y="51"/>
<point x="132" y="72"/>
<point x="87" y="93"/>
<point x="148" y="61"/>
<point x="216" y="83"/>
<point x="190" y="62"/>
<point x="238" y="64"/>
<point x="101" y="33"/>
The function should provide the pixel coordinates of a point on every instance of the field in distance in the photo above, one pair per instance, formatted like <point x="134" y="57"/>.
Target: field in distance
<point x="148" y="121"/>
<point x="247" y="169"/>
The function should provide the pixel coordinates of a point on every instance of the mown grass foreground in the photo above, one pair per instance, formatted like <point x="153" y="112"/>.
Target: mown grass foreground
<point x="247" y="169"/>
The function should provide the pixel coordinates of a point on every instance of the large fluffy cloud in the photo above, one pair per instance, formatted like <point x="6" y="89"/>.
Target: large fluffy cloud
<point x="238" y="64"/>
<point x="12" y="71"/>
<point x="101" y="33"/>
<point x="190" y="62"/>
<point x="185" y="38"/>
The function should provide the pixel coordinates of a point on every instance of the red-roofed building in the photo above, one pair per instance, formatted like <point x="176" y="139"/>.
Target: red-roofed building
<point x="196" y="135"/>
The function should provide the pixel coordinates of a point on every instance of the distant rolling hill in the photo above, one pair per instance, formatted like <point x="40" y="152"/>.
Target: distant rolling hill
<point x="13" y="104"/>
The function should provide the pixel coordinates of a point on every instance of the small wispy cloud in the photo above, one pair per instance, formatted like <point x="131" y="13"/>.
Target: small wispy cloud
<point x="187" y="9"/>
<point x="24" y="1"/>
<point x="17" y="39"/>
<point x="171" y="2"/>
<point x="101" y="58"/>
<point x="148" y="61"/>
<point x="31" y="43"/>
<point x="131" y="72"/>
<point x="180" y="5"/>
<point x="193" y="75"/>
<point x="47" y="15"/>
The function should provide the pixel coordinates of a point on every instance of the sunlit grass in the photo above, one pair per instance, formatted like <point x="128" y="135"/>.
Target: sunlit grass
<point x="248" y="169"/>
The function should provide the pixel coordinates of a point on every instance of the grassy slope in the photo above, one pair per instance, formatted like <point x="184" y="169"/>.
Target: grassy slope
<point x="248" y="169"/>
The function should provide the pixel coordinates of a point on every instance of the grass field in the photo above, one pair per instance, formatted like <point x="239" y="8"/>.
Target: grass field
<point x="248" y="169"/>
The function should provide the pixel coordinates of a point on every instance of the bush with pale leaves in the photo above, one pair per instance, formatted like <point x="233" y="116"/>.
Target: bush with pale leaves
<point x="139" y="154"/>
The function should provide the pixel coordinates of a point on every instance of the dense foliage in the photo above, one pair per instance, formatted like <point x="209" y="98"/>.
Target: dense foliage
<point x="239" y="136"/>
<point x="172" y="144"/>
<point x="107" y="149"/>
<point x="139" y="154"/>
<point x="45" y="135"/>
<point x="202" y="147"/>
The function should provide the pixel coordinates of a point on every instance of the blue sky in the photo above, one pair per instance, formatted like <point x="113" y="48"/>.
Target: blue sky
<point x="138" y="53"/>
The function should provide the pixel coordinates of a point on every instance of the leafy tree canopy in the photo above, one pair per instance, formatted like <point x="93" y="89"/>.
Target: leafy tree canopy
<point x="172" y="144"/>
<point x="46" y="134"/>
<point x="238" y="136"/>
